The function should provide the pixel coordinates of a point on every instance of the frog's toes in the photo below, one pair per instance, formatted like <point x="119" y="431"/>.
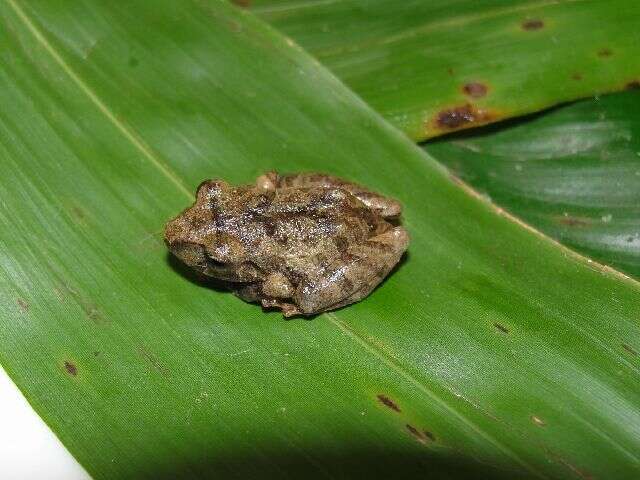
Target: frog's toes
<point x="267" y="182"/>
<point x="288" y="309"/>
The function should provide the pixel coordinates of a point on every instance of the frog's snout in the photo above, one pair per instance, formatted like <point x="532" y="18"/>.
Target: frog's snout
<point x="175" y="231"/>
<point x="178" y="238"/>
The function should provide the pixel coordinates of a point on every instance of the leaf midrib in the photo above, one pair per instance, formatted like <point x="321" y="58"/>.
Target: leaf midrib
<point x="129" y="134"/>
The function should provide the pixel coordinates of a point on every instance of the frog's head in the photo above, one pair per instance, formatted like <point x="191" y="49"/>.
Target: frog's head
<point x="211" y="235"/>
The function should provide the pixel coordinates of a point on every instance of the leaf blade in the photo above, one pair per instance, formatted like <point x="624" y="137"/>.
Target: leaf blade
<point x="82" y="219"/>
<point x="434" y="67"/>
<point x="574" y="173"/>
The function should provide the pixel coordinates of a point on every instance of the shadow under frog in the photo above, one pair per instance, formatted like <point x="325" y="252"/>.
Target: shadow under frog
<point x="304" y="243"/>
<point x="220" y="286"/>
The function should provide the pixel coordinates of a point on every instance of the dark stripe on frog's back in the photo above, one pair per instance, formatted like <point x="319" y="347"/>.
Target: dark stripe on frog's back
<point x="319" y="202"/>
<point x="305" y="214"/>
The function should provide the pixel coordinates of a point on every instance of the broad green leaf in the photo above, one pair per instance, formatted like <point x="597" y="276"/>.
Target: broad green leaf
<point x="572" y="195"/>
<point x="434" y="66"/>
<point x="574" y="173"/>
<point x="490" y="352"/>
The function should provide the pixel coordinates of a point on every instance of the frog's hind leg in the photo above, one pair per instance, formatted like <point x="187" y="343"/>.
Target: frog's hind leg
<point x="385" y="206"/>
<point x="272" y="293"/>
<point x="354" y="275"/>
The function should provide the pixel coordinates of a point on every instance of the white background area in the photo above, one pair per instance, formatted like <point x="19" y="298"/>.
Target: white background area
<point x="28" y="448"/>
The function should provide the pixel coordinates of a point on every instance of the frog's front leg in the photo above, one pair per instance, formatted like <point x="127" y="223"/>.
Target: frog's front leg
<point x="354" y="275"/>
<point x="385" y="206"/>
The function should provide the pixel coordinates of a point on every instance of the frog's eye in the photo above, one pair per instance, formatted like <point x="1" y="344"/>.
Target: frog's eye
<point x="211" y="189"/>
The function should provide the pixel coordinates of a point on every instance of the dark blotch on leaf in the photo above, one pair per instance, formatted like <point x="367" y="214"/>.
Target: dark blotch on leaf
<point x="70" y="368"/>
<point x="386" y="401"/>
<point x="421" y="437"/>
<point x="78" y="213"/>
<point x="430" y="435"/>
<point x="577" y="76"/>
<point x="464" y="115"/>
<point x="605" y="52"/>
<point x="633" y="85"/>
<point x="242" y="3"/>
<point x="501" y="327"/>
<point x="93" y="313"/>
<point x="629" y="349"/>
<point x="90" y="309"/>
<point x="153" y="361"/>
<point x="475" y="89"/>
<point x="533" y="24"/>
<point x="23" y="304"/>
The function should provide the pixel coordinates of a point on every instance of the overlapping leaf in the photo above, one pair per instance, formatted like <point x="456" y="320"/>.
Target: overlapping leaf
<point x="464" y="63"/>
<point x="431" y="67"/>
<point x="574" y="173"/>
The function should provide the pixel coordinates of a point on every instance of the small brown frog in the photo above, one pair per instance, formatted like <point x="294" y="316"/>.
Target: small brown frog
<point x="305" y="243"/>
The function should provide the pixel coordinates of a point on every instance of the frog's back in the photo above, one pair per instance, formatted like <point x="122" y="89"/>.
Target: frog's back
<point x="303" y="218"/>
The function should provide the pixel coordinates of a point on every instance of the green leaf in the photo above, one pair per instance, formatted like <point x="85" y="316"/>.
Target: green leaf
<point x="490" y="352"/>
<point x="431" y="67"/>
<point x="568" y="191"/>
<point x="574" y="173"/>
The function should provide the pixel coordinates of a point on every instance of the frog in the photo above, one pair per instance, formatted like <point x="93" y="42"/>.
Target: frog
<point x="303" y="243"/>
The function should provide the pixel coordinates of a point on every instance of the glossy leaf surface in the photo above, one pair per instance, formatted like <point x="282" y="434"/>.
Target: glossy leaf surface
<point x="573" y="172"/>
<point x="490" y="352"/>
<point x="434" y="66"/>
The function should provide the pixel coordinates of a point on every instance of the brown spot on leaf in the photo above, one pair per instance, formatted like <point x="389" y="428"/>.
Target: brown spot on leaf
<point x="633" y="85"/>
<point x="538" y="421"/>
<point x="475" y="89"/>
<point x="417" y="434"/>
<point x="92" y="313"/>
<point x="71" y="368"/>
<point x="429" y="435"/>
<point x="461" y="117"/>
<point x="532" y="24"/>
<point x="605" y="52"/>
<point x="577" y="76"/>
<point x="242" y="3"/>
<point x="629" y="349"/>
<point x="386" y="401"/>
<point x="90" y="309"/>
<point x="571" y="221"/>
<point x="450" y="71"/>
<point x="23" y="304"/>
<point x="153" y="361"/>
<point x="235" y="26"/>
<point x="501" y="327"/>
<point x="78" y="213"/>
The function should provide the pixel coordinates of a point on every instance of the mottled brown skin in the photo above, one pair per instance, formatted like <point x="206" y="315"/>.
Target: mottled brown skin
<point x="305" y="243"/>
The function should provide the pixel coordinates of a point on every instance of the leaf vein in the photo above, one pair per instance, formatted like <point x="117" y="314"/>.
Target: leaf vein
<point x="126" y="130"/>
